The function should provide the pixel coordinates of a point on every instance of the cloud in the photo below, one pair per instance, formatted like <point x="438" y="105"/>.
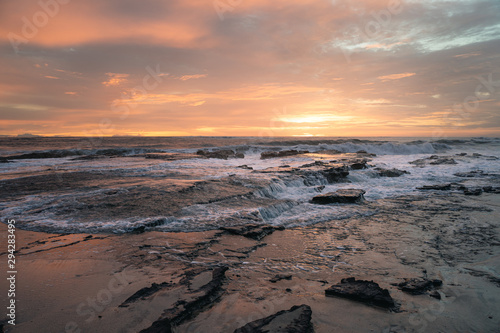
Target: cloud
<point x="395" y="76"/>
<point x="115" y="79"/>
<point x="343" y="67"/>
<point x="194" y="76"/>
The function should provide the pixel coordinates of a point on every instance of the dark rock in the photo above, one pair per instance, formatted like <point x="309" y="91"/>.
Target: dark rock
<point x="279" y="277"/>
<point x="245" y="167"/>
<point x="183" y="310"/>
<point x="444" y="160"/>
<point x="320" y="188"/>
<point x="470" y="174"/>
<point x="142" y="228"/>
<point x="367" y="292"/>
<point x="221" y="154"/>
<point x="476" y="155"/>
<point x="365" y="153"/>
<point x="335" y="174"/>
<point x="315" y="163"/>
<point x="433" y="160"/>
<point x="295" y="320"/>
<point x="274" y="154"/>
<point x="435" y="295"/>
<point x="4" y="160"/>
<point x="144" y="293"/>
<point x="461" y="154"/>
<point x="172" y="156"/>
<point x="359" y="165"/>
<point x="391" y="172"/>
<point x="418" y="286"/>
<point x="254" y="231"/>
<point x="340" y="196"/>
<point x="476" y="191"/>
<point x="491" y="189"/>
<point x="439" y="187"/>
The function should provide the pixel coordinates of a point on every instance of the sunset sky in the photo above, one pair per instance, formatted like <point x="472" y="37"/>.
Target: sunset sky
<point x="250" y="67"/>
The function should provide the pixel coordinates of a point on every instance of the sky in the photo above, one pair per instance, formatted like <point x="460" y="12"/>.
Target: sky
<point x="250" y="67"/>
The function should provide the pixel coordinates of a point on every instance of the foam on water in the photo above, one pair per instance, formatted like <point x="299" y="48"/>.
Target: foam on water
<point x="291" y="196"/>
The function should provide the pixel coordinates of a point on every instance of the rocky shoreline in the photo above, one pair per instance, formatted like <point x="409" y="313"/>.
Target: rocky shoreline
<point x="229" y="280"/>
<point x="426" y="262"/>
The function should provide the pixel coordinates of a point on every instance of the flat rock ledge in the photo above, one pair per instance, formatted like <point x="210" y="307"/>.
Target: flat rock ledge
<point x="363" y="291"/>
<point x="253" y="231"/>
<point x="391" y="172"/>
<point x="340" y="196"/>
<point x="284" y="153"/>
<point x="223" y="154"/>
<point x="295" y="320"/>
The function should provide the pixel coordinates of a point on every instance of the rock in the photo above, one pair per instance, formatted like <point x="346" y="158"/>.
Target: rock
<point x="461" y="154"/>
<point x="163" y="326"/>
<point x="273" y="154"/>
<point x="335" y="174"/>
<point x="367" y="292"/>
<point x="183" y="310"/>
<point x="435" y="295"/>
<point x="434" y="160"/>
<point x="419" y="286"/>
<point x="246" y="167"/>
<point x="295" y="320"/>
<point x="491" y="189"/>
<point x="279" y="277"/>
<point x="254" y="231"/>
<point x="340" y="196"/>
<point x="440" y="161"/>
<point x="365" y="153"/>
<point x="471" y="174"/>
<point x="439" y="187"/>
<point x="144" y="293"/>
<point x="223" y="154"/>
<point x="172" y="156"/>
<point x="4" y="160"/>
<point x="476" y="191"/>
<point x="359" y="165"/>
<point x="391" y="172"/>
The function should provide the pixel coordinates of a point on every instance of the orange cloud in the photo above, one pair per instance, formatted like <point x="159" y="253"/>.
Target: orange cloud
<point x="115" y="79"/>
<point x="395" y="76"/>
<point x="195" y="76"/>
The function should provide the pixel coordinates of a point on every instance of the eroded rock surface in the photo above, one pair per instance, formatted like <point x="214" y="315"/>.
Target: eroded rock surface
<point x="221" y="154"/>
<point x="295" y="320"/>
<point x="283" y="153"/>
<point x="254" y="231"/>
<point x="340" y="196"/>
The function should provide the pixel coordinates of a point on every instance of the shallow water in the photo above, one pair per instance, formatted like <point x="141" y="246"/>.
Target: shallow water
<point x="83" y="195"/>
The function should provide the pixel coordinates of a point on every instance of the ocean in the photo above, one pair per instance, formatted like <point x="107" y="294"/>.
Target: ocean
<point x="120" y="184"/>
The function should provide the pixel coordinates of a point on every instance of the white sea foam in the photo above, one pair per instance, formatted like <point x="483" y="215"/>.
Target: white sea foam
<point x="290" y="195"/>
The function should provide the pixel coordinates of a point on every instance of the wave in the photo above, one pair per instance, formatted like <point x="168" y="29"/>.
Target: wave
<point x="257" y="146"/>
<point x="84" y="153"/>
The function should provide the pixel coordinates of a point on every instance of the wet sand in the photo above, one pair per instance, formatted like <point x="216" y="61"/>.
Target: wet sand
<point x="79" y="282"/>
